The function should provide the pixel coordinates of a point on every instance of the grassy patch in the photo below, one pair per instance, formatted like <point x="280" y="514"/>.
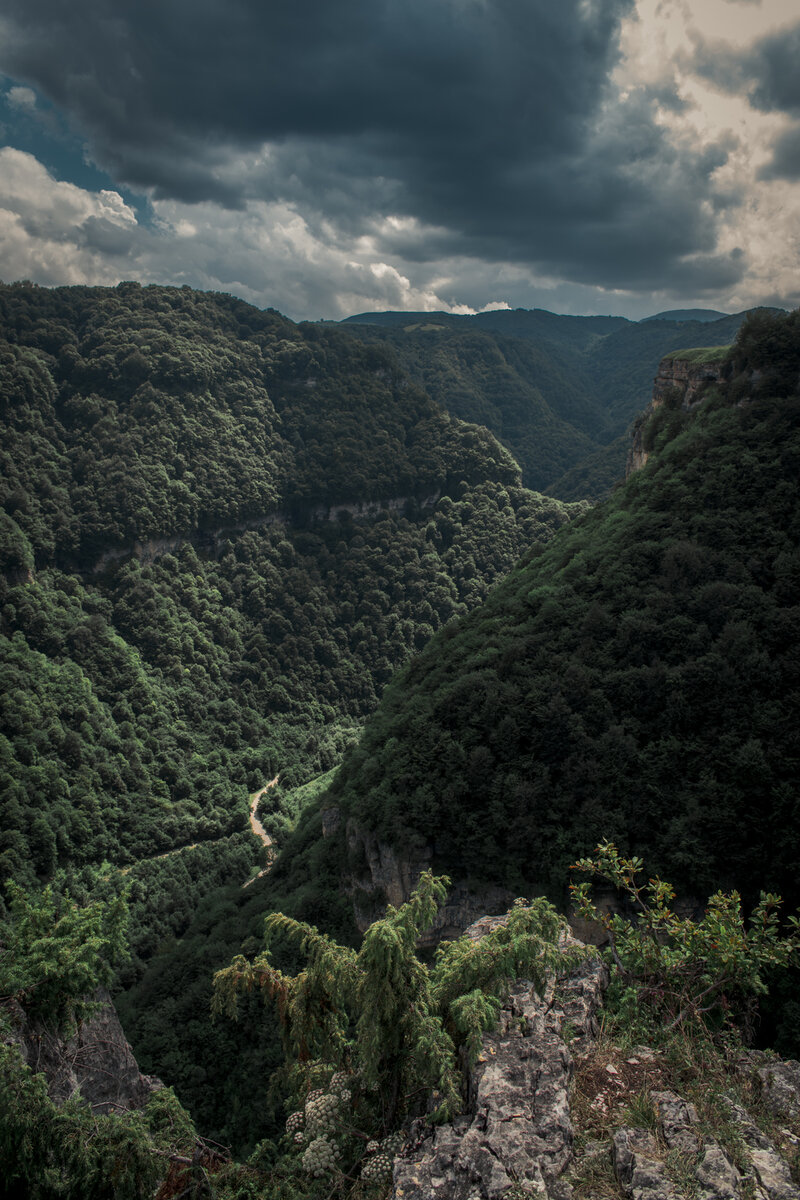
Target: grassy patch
<point x="703" y="354"/>
<point x="608" y="1083"/>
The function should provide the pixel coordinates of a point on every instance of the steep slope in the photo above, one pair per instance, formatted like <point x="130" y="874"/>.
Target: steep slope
<point x="532" y="397"/>
<point x="558" y="391"/>
<point x="636" y="679"/>
<point x="220" y="534"/>
<point x="624" y="682"/>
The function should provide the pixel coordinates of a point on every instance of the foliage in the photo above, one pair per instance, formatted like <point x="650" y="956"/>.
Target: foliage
<point x="768" y="351"/>
<point x="184" y="607"/>
<point x="636" y="678"/>
<point x="387" y="1025"/>
<point x="559" y="392"/>
<point x="54" y="953"/>
<point x="682" y="970"/>
<point x="471" y="976"/>
<point x="67" y="1151"/>
<point x="185" y="610"/>
<point x="704" y="354"/>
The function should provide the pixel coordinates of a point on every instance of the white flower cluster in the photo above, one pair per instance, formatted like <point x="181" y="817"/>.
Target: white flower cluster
<point x="377" y="1168"/>
<point x="320" y="1157"/>
<point x="392" y="1144"/>
<point x="322" y="1114"/>
<point x="294" y="1122"/>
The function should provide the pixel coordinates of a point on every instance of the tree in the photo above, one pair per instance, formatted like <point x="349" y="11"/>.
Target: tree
<point x="684" y="971"/>
<point x="380" y="1025"/>
<point x="54" y="953"/>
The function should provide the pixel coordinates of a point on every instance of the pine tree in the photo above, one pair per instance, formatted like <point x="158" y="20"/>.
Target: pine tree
<point x="383" y="1014"/>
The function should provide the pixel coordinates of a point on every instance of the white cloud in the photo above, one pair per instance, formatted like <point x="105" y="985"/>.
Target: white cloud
<point x="51" y="231"/>
<point x="21" y="97"/>
<point x="751" y="214"/>
<point x="273" y="256"/>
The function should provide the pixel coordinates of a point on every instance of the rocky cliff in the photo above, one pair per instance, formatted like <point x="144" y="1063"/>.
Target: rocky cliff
<point x="558" y="1110"/>
<point x="380" y="875"/>
<point x="95" y="1062"/>
<point x="210" y="541"/>
<point x="682" y="381"/>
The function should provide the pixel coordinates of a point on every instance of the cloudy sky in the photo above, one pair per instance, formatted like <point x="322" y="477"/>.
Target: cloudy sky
<point x="326" y="157"/>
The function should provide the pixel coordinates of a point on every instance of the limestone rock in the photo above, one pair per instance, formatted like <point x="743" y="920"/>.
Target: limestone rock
<point x="331" y="820"/>
<point x="679" y="1124"/>
<point x="780" y="1081"/>
<point x="770" y="1170"/>
<point x="519" y="1129"/>
<point x="676" y="376"/>
<point x="389" y="877"/>
<point x="717" y="1176"/>
<point x="677" y="1119"/>
<point x="96" y="1061"/>
<point x="639" y="1168"/>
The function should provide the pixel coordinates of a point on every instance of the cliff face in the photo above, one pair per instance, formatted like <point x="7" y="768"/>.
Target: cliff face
<point x="388" y="877"/>
<point x="519" y="1129"/>
<point x="211" y="541"/>
<point x="677" y="378"/>
<point x="95" y="1062"/>
<point x="557" y="1110"/>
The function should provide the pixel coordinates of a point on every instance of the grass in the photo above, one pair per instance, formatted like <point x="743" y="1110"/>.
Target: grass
<point x="595" y="1179"/>
<point x="280" y="811"/>
<point x="702" y="354"/>
<point x="608" y="1081"/>
<point x="612" y="1089"/>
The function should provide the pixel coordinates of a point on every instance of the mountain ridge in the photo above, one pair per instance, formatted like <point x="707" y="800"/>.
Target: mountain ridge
<point x="559" y="391"/>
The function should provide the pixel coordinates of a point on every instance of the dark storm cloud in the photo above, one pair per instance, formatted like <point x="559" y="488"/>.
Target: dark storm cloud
<point x="785" y="162"/>
<point x="491" y="121"/>
<point x="774" y="63"/>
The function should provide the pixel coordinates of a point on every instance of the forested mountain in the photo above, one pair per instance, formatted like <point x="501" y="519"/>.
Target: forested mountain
<point x="636" y="679"/>
<point x="224" y="536"/>
<point x="185" y="611"/>
<point x="558" y="391"/>
<point x="633" y="679"/>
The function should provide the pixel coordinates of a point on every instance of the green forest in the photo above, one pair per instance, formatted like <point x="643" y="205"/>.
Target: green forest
<point x="234" y="548"/>
<point x="559" y="392"/>
<point x="636" y="679"/>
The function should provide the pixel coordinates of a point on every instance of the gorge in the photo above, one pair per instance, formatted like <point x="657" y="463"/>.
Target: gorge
<point x="481" y="679"/>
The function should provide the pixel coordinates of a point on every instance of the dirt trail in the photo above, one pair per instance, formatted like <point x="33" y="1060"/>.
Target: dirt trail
<point x="256" y="826"/>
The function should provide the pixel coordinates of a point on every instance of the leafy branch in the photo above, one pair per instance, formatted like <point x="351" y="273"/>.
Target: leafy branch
<point x="684" y="970"/>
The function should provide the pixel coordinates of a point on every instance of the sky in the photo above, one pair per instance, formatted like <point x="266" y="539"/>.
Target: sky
<point x="330" y="157"/>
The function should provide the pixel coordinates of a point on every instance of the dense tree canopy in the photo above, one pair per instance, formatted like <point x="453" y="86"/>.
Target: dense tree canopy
<point x="559" y="392"/>
<point x="636" y="679"/>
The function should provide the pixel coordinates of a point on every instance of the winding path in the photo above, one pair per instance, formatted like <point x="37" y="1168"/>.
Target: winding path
<point x="256" y="826"/>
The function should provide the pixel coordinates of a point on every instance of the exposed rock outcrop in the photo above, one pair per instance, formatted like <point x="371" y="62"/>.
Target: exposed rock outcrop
<point x="773" y="1178"/>
<point x="96" y="1061"/>
<point x="518" y="1136"/>
<point x="679" y="380"/>
<point x="211" y="540"/>
<point x="780" y="1084"/>
<point x="691" y="379"/>
<point x="385" y="876"/>
<point x="639" y="1167"/>
<point x="519" y="1128"/>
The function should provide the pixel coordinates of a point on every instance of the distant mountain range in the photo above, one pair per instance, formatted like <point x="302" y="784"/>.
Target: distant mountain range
<point x="558" y="391"/>
<point x="687" y="314"/>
